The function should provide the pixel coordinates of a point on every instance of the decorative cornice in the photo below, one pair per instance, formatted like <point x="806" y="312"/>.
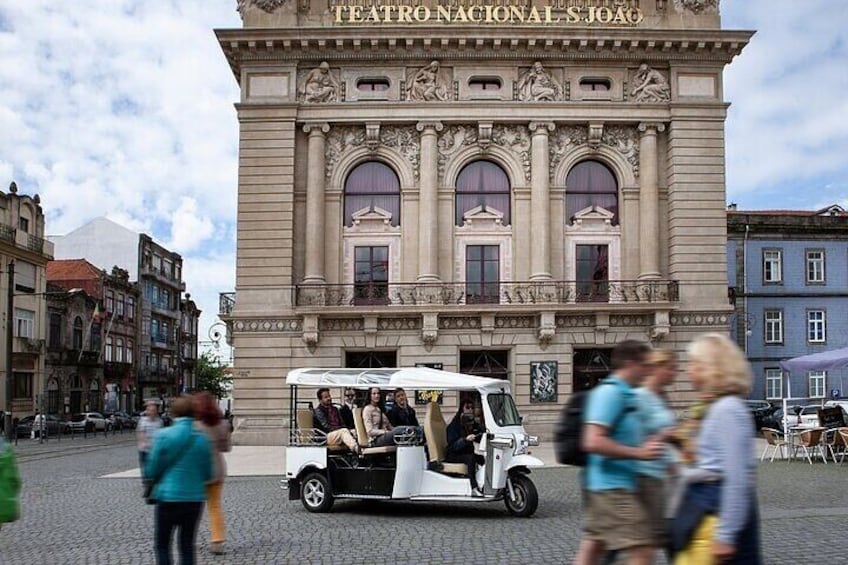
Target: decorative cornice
<point x="700" y="319"/>
<point x="263" y="325"/>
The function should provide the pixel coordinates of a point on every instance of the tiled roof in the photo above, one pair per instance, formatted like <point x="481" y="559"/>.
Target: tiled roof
<point x="71" y="269"/>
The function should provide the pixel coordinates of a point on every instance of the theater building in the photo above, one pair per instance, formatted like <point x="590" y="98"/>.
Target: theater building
<point x="496" y="187"/>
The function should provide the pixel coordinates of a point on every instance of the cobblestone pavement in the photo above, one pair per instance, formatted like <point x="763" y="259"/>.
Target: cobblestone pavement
<point x="72" y="516"/>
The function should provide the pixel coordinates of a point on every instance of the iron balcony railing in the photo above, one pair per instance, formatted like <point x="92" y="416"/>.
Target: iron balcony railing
<point x="7" y="233"/>
<point x="226" y="303"/>
<point x="476" y="293"/>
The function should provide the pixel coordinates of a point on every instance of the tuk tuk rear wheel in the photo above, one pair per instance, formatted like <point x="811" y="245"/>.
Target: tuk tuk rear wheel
<point x="526" y="497"/>
<point x="315" y="493"/>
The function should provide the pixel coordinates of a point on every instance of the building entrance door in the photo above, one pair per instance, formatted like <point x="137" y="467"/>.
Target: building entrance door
<point x="590" y="366"/>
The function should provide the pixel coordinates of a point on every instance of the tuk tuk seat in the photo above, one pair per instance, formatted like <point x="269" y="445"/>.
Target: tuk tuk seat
<point x="435" y="430"/>
<point x="305" y="420"/>
<point x="362" y="437"/>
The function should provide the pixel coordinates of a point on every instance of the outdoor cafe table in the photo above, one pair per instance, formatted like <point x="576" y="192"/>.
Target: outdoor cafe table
<point x="794" y="436"/>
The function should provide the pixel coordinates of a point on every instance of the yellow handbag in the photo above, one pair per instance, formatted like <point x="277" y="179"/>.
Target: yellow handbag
<point x="699" y="551"/>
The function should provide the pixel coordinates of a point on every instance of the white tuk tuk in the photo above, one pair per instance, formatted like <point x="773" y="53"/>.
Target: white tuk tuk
<point x="412" y="469"/>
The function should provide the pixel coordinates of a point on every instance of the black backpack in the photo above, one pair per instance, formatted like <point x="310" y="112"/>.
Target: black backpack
<point x="568" y="432"/>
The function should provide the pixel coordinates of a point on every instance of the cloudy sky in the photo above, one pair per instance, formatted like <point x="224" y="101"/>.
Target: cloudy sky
<point x="124" y="108"/>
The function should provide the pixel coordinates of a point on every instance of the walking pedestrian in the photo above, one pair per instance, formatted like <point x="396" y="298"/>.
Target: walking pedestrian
<point x="208" y="419"/>
<point x="180" y="465"/>
<point x="615" y="517"/>
<point x="717" y="521"/>
<point x="145" y="432"/>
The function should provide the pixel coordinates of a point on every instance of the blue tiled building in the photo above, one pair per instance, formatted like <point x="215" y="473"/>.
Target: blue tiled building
<point x="788" y="278"/>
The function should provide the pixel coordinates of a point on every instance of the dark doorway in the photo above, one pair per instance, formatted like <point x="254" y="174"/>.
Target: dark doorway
<point x="487" y="363"/>
<point x="370" y="359"/>
<point x="590" y="366"/>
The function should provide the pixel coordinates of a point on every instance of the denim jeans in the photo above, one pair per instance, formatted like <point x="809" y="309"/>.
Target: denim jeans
<point x="173" y="515"/>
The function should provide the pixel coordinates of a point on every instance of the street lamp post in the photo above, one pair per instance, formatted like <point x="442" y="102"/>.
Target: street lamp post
<point x="10" y="327"/>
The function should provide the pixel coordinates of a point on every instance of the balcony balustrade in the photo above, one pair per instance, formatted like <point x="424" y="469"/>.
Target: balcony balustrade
<point x="540" y="293"/>
<point x="226" y="303"/>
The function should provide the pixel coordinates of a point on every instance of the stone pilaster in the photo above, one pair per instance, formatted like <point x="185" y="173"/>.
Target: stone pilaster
<point x="540" y="201"/>
<point x="649" y="204"/>
<point x="315" y="175"/>
<point x="428" y="205"/>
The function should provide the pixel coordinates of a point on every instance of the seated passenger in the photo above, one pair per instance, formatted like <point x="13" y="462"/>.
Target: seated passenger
<point x="377" y="425"/>
<point x="402" y="414"/>
<point x="347" y="408"/>
<point x="329" y="419"/>
<point x="463" y="431"/>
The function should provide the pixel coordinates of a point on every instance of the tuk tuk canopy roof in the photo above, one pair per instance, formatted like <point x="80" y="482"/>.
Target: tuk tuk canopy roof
<point x="824" y="361"/>
<point x="406" y="378"/>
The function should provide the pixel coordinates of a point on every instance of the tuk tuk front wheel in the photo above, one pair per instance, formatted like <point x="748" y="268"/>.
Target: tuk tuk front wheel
<point x="315" y="493"/>
<point x="526" y="497"/>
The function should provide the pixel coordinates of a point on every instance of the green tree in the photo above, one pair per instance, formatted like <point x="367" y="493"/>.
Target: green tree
<point x="211" y="376"/>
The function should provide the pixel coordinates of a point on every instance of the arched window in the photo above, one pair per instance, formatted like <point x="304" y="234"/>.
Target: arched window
<point x="372" y="185"/>
<point x="77" y="333"/>
<point x="482" y="184"/>
<point x="590" y="183"/>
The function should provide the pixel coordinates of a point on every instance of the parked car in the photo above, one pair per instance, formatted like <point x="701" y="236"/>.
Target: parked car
<point x="775" y="419"/>
<point x="120" y="420"/>
<point x="53" y="425"/>
<point x="810" y="415"/>
<point x="90" y="422"/>
<point x="760" y="410"/>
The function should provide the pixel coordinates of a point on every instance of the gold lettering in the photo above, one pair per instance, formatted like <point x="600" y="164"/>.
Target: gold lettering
<point x="421" y="13"/>
<point x="339" y="10"/>
<point x="387" y="12"/>
<point x="572" y="14"/>
<point x="461" y="15"/>
<point x="405" y="14"/>
<point x="591" y="17"/>
<point x="373" y="16"/>
<point x="489" y="17"/>
<point x="533" y="17"/>
<point x="354" y="14"/>
<point x="603" y="15"/>
<point x="549" y="17"/>
<point x="516" y="13"/>
<point x="472" y="17"/>
<point x="635" y="16"/>
<point x="442" y="12"/>
<point x="620" y="18"/>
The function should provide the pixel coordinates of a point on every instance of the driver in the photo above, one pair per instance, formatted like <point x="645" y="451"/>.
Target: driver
<point x="329" y="420"/>
<point x="463" y="431"/>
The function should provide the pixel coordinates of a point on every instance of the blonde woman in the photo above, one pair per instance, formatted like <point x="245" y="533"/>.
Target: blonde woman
<point x="656" y="419"/>
<point x="718" y="521"/>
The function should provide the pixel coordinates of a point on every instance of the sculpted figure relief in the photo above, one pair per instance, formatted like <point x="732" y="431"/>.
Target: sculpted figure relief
<point x="696" y="6"/>
<point x="536" y="85"/>
<point x="427" y="85"/>
<point x="320" y="86"/>
<point x="651" y="86"/>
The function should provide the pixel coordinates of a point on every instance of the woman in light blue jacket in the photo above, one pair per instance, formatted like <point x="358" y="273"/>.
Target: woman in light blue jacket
<point x="179" y="465"/>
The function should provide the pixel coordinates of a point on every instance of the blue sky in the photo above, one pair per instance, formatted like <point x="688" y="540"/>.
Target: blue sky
<point x="125" y="108"/>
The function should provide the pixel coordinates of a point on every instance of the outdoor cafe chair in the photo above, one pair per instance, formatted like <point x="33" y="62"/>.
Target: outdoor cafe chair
<point x="843" y="434"/>
<point x="810" y="441"/>
<point x="832" y="442"/>
<point x="775" y="442"/>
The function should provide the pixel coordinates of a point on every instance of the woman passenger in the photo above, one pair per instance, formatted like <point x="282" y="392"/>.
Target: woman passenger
<point x="462" y="432"/>
<point x="380" y="431"/>
<point x="721" y="514"/>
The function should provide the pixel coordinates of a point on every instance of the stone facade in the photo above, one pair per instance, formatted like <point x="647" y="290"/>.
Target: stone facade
<point x="22" y="243"/>
<point x="502" y="276"/>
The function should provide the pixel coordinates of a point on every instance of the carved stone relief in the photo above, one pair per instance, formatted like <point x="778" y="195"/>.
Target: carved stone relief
<point x="515" y="322"/>
<point x="650" y="85"/>
<point x="452" y="139"/>
<point x="275" y="325"/>
<point x="340" y="140"/>
<point x="696" y="6"/>
<point x="427" y="84"/>
<point x="399" y="324"/>
<point x="625" y="140"/>
<point x="267" y="5"/>
<point x="575" y="321"/>
<point x="537" y="85"/>
<point x="459" y="323"/>
<point x="340" y="324"/>
<point x="563" y="140"/>
<point x="320" y="86"/>
<point x="698" y="319"/>
<point x="627" y="321"/>
<point x="515" y="139"/>
<point x="406" y="141"/>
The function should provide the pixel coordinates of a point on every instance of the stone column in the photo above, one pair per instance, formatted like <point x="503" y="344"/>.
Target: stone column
<point x="315" y="175"/>
<point x="540" y="202"/>
<point x="428" y="203"/>
<point x="649" y="204"/>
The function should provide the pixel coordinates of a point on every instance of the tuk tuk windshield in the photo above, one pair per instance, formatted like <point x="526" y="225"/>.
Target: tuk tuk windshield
<point x="503" y="409"/>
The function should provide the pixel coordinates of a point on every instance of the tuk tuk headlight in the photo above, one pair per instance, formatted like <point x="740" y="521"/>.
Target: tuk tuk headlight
<point x="501" y="443"/>
<point x="533" y="441"/>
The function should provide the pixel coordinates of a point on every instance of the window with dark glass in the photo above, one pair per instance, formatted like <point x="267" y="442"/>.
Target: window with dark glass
<point x="487" y="84"/>
<point x="482" y="274"/>
<point x="110" y="301"/>
<point x="592" y="268"/>
<point x="595" y="85"/>
<point x="372" y="84"/>
<point x="77" y="335"/>
<point x="22" y="385"/>
<point x="130" y="308"/>
<point x="371" y="275"/>
<point x="23" y="225"/>
<point x="55" y="337"/>
<point x="590" y="183"/>
<point x="372" y="185"/>
<point x="485" y="185"/>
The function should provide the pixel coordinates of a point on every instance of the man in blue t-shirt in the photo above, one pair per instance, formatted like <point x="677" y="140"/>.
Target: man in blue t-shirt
<point x="615" y="518"/>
